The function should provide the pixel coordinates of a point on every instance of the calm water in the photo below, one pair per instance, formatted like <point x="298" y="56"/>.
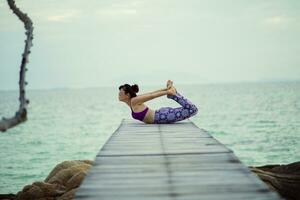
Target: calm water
<point x="260" y="122"/>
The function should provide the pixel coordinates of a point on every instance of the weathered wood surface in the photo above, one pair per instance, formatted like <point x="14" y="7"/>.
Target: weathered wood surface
<point x="169" y="161"/>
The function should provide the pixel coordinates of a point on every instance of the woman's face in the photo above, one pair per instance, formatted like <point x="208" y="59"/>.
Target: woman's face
<point x="122" y="95"/>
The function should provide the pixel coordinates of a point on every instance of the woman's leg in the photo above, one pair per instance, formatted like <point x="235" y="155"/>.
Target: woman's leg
<point x="184" y="102"/>
<point x="169" y="115"/>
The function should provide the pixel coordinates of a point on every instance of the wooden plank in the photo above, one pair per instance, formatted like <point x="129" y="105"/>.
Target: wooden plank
<point x="169" y="161"/>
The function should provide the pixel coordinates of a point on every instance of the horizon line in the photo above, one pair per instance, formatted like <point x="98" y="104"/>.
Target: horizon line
<point x="149" y="85"/>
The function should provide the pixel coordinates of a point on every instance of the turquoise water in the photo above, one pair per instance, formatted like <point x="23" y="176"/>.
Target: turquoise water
<point x="260" y="122"/>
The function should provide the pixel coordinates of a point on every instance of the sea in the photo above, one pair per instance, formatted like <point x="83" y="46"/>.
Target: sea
<point x="259" y="121"/>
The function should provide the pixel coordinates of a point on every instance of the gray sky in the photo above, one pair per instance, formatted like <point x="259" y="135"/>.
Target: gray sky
<point x="111" y="42"/>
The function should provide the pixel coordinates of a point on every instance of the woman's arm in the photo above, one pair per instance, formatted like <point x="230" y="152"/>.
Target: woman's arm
<point x="164" y="89"/>
<point x="148" y="96"/>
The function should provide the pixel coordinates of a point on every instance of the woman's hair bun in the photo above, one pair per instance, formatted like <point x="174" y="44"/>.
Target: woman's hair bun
<point x="135" y="88"/>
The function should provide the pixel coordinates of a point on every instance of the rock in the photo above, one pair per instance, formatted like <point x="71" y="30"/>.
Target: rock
<point x="284" y="179"/>
<point x="65" y="165"/>
<point x="61" y="183"/>
<point x="63" y="176"/>
<point x="75" y="180"/>
<point x="7" y="196"/>
<point x="68" y="195"/>
<point x="41" y="190"/>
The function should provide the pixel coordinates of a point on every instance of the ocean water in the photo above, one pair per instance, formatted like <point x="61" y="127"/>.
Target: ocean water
<point x="260" y="122"/>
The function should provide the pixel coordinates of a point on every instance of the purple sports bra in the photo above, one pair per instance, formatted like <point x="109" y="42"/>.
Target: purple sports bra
<point x="139" y="115"/>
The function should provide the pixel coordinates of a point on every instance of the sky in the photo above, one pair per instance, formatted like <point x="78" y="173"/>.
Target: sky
<point x="111" y="42"/>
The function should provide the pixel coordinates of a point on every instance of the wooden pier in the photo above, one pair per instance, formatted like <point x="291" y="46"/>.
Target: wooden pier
<point x="169" y="161"/>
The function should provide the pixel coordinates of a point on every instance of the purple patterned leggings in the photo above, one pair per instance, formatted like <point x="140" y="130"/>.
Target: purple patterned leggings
<point x="166" y="115"/>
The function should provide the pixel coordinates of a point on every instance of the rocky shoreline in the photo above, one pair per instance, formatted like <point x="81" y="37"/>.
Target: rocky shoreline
<point x="284" y="179"/>
<point x="66" y="177"/>
<point x="61" y="184"/>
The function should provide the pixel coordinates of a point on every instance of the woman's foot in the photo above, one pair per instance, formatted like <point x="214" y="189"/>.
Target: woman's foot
<point x="169" y="84"/>
<point x="172" y="91"/>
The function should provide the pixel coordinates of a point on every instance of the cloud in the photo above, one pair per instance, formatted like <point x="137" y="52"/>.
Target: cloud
<point x="64" y="16"/>
<point x="276" y="20"/>
<point x="122" y="8"/>
<point x="282" y="20"/>
<point x="117" y="11"/>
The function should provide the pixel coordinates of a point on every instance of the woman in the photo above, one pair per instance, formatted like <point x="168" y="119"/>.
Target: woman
<point x="164" y="115"/>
